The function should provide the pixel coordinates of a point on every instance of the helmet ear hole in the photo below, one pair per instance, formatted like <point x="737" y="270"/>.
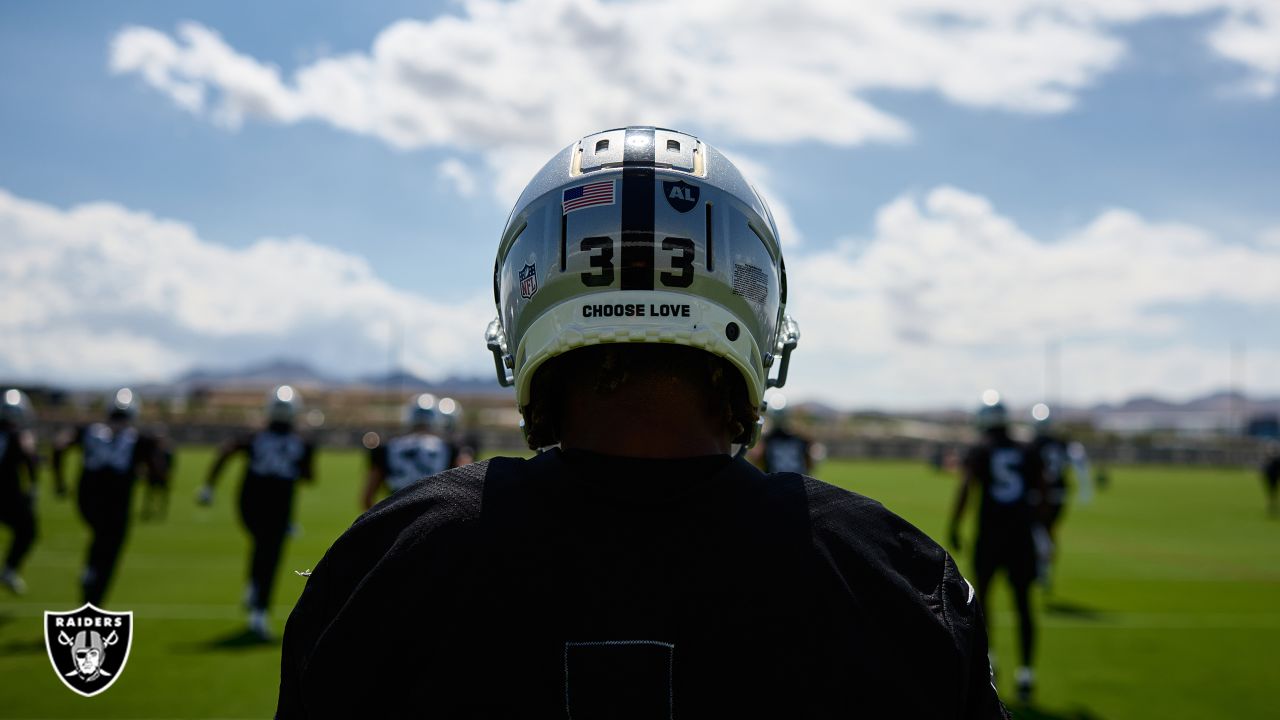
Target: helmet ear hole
<point x="731" y="331"/>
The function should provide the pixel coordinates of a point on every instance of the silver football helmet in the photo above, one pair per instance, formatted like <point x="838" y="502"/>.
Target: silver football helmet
<point x="283" y="405"/>
<point x="123" y="404"/>
<point x="421" y="411"/>
<point x="15" y="408"/>
<point x="641" y="235"/>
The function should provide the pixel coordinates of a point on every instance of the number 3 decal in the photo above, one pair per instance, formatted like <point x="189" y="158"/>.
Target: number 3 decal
<point x="681" y="260"/>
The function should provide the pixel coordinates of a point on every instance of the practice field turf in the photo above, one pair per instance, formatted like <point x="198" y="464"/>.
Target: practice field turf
<point x="1166" y="603"/>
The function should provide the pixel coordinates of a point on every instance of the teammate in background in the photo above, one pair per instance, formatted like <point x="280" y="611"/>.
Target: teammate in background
<point x="1010" y="481"/>
<point x="404" y="460"/>
<point x="155" y="498"/>
<point x="278" y="457"/>
<point x="1052" y="453"/>
<point x="1271" y="479"/>
<point x="639" y="569"/>
<point x="17" y="498"/>
<point x="114" y="453"/>
<point x="783" y="450"/>
<point x="464" y="447"/>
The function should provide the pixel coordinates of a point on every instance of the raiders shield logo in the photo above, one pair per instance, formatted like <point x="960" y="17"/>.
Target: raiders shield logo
<point x="682" y="196"/>
<point x="528" y="281"/>
<point x="88" y="647"/>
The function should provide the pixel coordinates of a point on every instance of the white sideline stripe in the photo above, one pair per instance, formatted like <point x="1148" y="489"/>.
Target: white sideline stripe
<point x="1106" y="621"/>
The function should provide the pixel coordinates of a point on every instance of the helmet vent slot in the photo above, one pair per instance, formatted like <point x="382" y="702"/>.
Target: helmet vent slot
<point x="602" y="145"/>
<point x="673" y="145"/>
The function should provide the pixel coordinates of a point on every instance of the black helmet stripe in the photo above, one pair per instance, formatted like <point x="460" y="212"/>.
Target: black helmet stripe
<point x="638" y="199"/>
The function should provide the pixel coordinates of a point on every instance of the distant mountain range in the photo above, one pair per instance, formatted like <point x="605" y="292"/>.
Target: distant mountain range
<point x="296" y="372"/>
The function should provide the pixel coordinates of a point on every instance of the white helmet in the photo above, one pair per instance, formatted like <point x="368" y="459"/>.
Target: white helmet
<point x="123" y="404"/>
<point x="641" y="235"/>
<point x="420" y="411"/>
<point x="15" y="408"/>
<point x="283" y="405"/>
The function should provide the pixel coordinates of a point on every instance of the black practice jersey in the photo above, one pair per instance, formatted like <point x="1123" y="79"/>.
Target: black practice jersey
<point x="1007" y="471"/>
<point x="784" y="452"/>
<point x="17" y="458"/>
<point x="1052" y="453"/>
<point x="115" y="453"/>
<point x="406" y="459"/>
<point x="1271" y="470"/>
<point x="580" y="585"/>
<point x="277" y="455"/>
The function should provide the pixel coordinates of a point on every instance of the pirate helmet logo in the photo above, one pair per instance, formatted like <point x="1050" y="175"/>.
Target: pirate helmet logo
<point x="88" y="647"/>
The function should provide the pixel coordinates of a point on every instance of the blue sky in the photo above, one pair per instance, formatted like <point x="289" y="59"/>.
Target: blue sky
<point x="1094" y="175"/>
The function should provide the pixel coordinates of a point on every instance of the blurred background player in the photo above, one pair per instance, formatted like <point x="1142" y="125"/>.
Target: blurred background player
<point x="113" y="453"/>
<point x="278" y="457"/>
<point x="18" y="460"/>
<point x="1271" y="478"/>
<point x="155" y="498"/>
<point x="1009" y="479"/>
<point x="464" y="446"/>
<point x="403" y="460"/>
<point x="780" y="449"/>
<point x="1057" y="458"/>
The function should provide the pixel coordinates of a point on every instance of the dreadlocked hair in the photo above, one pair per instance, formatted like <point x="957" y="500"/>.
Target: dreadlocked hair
<point x="607" y="368"/>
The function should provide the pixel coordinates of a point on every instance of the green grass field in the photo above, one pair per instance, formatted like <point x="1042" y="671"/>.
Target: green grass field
<point x="1167" y="602"/>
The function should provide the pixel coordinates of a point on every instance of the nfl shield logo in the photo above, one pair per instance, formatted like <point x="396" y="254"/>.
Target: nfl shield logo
<point x="528" y="281"/>
<point x="88" y="647"/>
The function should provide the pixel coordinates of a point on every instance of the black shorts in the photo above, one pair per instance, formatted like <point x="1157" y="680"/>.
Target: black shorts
<point x="1010" y="548"/>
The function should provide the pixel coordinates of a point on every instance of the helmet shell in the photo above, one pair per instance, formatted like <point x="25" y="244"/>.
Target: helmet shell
<point x="283" y="405"/>
<point x="640" y="234"/>
<point x="15" y="408"/>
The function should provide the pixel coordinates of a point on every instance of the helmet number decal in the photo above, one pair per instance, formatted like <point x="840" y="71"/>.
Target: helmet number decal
<point x="682" y="249"/>
<point x="683" y="261"/>
<point x="603" y="261"/>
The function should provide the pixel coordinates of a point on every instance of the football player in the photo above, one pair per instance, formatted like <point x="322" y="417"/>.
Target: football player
<point x="783" y="450"/>
<point x="1010" y="481"/>
<point x="636" y="567"/>
<point x="114" y="453"/>
<point x="402" y="461"/>
<point x="18" y="460"/>
<point x="1271" y="478"/>
<point x="464" y="446"/>
<point x="278" y="458"/>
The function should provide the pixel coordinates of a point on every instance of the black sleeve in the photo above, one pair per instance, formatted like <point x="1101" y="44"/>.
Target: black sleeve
<point x="919" y="600"/>
<point x="376" y="537"/>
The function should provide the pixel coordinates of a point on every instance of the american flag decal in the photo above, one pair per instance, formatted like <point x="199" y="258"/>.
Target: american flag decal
<point x="599" y="193"/>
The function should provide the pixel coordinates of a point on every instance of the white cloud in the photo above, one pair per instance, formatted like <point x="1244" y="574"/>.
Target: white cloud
<point x="949" y="297"/>
<point x="458" y="176"/>
<point x="514" y="81"/>
<point x="100" y="293"/>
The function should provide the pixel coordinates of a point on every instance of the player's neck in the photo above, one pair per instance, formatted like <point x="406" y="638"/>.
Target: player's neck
<point x="649" y="422"/>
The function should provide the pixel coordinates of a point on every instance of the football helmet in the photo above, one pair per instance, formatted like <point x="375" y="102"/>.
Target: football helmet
<point x="15" y="408"/>
<point x="123" y="404"/>
<point x="641" y="235"/>
<point x="992" y="415"/>
<point x="450" y="414"/>
<point x="421" y="411"/>
<point x="283" y="405"/>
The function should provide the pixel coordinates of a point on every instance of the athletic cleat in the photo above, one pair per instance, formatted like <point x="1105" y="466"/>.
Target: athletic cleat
<point x="1026" y="680"/>
<point x="12" y="580"/>
<point x="258" y="624"/>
